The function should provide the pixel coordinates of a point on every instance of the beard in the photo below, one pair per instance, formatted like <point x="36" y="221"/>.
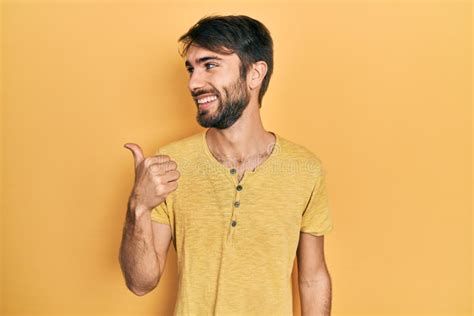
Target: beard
<point x="229" y="109"/>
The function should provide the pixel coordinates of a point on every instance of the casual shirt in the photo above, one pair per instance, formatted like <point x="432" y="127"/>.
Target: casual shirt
<point x="236" y="241"/>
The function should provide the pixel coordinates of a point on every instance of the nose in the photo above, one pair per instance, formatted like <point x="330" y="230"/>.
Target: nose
<point x="196" y="82"/>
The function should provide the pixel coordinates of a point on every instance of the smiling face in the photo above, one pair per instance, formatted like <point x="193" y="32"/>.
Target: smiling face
<point x="220" y="93"/>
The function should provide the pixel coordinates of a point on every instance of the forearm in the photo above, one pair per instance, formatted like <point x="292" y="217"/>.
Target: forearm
<point x="138" y="259"/>
<point x="315" y="295"/>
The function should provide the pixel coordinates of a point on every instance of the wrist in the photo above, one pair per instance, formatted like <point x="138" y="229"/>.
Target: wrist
<point x="137" y="208"/>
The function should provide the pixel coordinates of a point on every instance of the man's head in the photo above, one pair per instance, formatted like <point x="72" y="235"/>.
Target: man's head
<point x="242" y="51"/>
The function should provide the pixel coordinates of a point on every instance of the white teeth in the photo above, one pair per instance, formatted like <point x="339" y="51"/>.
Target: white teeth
<point x="207" y="99"/>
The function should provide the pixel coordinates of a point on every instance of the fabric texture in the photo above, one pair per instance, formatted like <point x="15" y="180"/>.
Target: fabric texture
<point x="237" y="259"/>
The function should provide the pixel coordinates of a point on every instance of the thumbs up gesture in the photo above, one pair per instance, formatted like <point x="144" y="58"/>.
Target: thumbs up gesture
<point x="155" y="178"/>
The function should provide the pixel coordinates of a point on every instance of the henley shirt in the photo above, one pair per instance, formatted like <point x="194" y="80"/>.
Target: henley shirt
<point x="236" y="241"/>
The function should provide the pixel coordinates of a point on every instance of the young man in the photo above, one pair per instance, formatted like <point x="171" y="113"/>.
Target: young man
<point x="248" y="199"/>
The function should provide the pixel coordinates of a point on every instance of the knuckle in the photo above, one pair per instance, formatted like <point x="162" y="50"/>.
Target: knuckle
<point x="159" y="188"/>
<point x="170" y="165"/>
<point x="156" y="178"/>
<point x="163" y="158"/>
<point x="154" y="168"/>
<point x="160" y="180"/>
<point x="146" y="163"/>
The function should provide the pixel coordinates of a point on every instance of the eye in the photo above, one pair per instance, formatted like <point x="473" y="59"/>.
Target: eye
<point x="210" y="64"/>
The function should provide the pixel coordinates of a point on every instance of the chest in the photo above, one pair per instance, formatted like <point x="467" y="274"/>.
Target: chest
<point x="254" y="205"/>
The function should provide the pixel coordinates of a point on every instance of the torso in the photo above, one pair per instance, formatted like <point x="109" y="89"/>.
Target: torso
<point x="249" y="254"/>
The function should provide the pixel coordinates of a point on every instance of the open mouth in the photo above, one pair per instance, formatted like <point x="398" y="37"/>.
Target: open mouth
<point x="207" y="103"/>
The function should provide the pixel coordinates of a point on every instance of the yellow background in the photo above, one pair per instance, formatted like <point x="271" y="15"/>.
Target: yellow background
<point x="380" y="91"/>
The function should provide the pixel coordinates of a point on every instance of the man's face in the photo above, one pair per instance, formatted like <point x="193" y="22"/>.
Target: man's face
<point x="220" y="93"/>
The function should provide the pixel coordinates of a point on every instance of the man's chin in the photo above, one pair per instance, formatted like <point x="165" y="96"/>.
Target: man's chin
<point x="203" y="118"/>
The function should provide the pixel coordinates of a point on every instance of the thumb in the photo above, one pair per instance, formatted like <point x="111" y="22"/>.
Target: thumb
<point x="136" y="151"/>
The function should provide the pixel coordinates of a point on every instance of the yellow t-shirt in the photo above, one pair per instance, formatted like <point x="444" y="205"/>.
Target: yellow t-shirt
<point x="236" y="242"/>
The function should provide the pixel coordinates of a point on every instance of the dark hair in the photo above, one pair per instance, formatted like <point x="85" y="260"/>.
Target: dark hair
<point x="239" y="34"/>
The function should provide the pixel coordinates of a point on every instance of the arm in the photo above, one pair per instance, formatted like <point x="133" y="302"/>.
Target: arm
<point x="145" y="243"/>
<point x="143" y="250"/>
<point x="313" y="277"/>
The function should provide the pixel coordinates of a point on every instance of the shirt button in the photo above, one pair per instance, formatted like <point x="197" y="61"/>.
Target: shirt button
<point x="234" y="223"/>
<point x="239" y="187"/>
<point x="233" y="171"/>
<point x="236" y="203"/>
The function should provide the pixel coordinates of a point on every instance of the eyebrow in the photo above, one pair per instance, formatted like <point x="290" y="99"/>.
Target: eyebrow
<point x="202" y="59"/>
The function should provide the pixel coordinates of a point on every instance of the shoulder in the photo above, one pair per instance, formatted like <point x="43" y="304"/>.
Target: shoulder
<point x="293" y="150"/>
<point x="300" y="155"/>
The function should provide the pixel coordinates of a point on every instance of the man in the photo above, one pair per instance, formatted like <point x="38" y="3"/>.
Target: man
<point x="248" y="199"/>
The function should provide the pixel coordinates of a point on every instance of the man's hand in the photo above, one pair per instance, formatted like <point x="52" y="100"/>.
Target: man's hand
<point x="155" y="178"/>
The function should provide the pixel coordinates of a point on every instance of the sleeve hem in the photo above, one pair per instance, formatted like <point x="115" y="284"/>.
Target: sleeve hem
<point x="319" y="233"/>
<point x="160" y="220"/>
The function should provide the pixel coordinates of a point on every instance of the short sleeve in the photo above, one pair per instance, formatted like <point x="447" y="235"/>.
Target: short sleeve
<point x="160" y="214"/>
<point x="317" y="217"/>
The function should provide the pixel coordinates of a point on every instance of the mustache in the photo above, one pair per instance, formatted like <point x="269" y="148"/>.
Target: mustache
<point x="201" y="92"/>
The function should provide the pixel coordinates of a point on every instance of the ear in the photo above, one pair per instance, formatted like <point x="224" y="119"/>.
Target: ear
<point x="256" y="74"/>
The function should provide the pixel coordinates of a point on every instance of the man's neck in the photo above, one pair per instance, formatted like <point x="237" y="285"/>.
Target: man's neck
<point x="245" y="140"/>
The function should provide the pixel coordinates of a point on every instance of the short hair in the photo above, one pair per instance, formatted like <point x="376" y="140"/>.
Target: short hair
<point x="239" y="34"/>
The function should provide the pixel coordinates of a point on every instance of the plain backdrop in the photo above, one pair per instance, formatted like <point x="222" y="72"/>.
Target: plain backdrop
<point x="379" y="90"/>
